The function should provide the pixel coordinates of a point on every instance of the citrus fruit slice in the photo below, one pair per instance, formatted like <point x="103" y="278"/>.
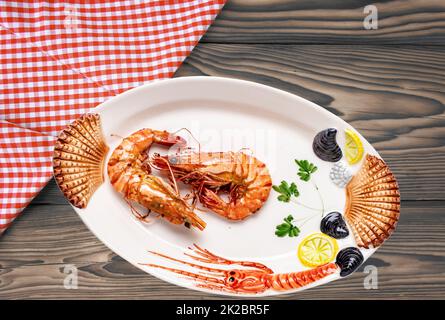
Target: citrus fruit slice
<point x="317" y="249"/>
<point x="353" y="147"/>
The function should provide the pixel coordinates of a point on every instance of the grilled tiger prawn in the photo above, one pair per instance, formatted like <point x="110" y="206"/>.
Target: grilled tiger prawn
<point x="254" y="278"/>
<point x="243" y="177"/>
<point x="130" y="176"/>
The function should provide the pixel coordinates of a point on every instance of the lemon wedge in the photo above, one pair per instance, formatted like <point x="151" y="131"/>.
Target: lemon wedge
<point x="317" y="249"/>
<point x="353" y="147"/>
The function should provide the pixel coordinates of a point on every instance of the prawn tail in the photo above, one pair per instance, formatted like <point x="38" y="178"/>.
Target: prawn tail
<point x="212" y="201"/>
<point x="294" y="280"/>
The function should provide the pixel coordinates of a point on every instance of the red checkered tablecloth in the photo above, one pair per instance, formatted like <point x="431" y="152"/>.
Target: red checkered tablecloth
<point x="60" y="59"/>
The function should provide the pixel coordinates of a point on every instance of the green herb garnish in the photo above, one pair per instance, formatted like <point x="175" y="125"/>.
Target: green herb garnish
<point x="286" y="191"/>
<point x="287" y="228"/>
<point x="305" y="169"/>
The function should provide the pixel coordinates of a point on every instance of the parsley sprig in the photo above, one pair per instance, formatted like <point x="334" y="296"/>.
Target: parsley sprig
<point x="287" y="228"/>
<point x="305" y="169"/>
<point x="286" y="191"/>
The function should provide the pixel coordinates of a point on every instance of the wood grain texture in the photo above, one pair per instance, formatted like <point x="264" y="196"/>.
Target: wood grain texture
<point x="46" y="238"/>
<point x="394" y="96"/>
<point x="390" y="88"/>
<point x="329" y="22"/>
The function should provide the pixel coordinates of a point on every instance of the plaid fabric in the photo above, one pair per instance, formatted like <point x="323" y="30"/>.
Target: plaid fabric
<point x="60" y="59"/>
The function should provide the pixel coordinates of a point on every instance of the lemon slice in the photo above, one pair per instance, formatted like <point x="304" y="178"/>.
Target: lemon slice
<point x="317" y="249"/>
<point x="353" y="147"/>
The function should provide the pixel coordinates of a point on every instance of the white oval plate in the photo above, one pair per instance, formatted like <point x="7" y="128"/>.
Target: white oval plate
<point x="223" y="114"/>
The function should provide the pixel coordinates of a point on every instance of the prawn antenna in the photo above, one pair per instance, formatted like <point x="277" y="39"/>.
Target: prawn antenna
<point x="116" y="135"/>
<point x="193" y="137"/>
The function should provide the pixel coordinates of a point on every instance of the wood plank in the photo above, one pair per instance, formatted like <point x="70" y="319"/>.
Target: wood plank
<point x="328" y="22"/>
<point x="392" y="94"/>
<point x="36" y="249"/>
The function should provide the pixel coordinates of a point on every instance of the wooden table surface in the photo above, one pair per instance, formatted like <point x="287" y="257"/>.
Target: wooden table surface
<point x="388" y="83"/>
